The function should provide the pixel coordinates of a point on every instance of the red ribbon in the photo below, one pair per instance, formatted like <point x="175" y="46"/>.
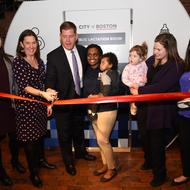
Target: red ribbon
<point x="111" y="99"/>
<point x="12" y="96"/>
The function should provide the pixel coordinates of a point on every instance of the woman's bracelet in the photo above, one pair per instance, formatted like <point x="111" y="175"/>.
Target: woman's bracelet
<point x="41" y="93"/>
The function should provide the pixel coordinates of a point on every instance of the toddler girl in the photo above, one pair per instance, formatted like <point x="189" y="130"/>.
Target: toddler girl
<point x="134" y="73"/>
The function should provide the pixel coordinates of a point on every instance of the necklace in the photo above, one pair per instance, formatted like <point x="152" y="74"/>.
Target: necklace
<point x="32" y="62"/>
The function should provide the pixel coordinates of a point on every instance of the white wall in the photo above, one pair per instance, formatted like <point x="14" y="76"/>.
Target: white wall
<point x="149" y="16"/>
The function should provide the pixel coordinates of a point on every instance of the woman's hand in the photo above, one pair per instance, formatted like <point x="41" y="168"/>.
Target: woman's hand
<point x="49" y="95"/>
<point x="53" y="91"/>
<point x="49" y="110"/>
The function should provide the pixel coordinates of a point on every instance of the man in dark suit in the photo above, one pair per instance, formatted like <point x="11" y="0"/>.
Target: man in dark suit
<point x="65" y="67"/>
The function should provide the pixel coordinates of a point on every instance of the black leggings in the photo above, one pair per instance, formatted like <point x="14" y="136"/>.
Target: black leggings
<point x="32" y="152"/>
<point x="13" y="146"/>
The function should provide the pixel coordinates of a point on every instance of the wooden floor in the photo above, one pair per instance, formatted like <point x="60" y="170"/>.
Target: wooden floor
<point x="129" y="176"/>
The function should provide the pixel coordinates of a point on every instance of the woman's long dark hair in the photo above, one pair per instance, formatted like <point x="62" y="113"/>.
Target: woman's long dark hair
<point x="170" y="44"/>
<point x="19" y="49"/>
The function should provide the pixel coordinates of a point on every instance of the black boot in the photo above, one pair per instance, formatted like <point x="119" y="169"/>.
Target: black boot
<point x="18" y="166"/>
<point x="35" y="179"/>
<point x="32" y="155"/>
<point x="158" y="180"/>
<point x="4" y="178"/>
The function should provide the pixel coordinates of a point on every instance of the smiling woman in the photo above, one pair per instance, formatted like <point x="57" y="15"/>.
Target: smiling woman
<point x="29" y="46"/>
<point x="31" y="117"/>
<point x="164" y="71"/>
